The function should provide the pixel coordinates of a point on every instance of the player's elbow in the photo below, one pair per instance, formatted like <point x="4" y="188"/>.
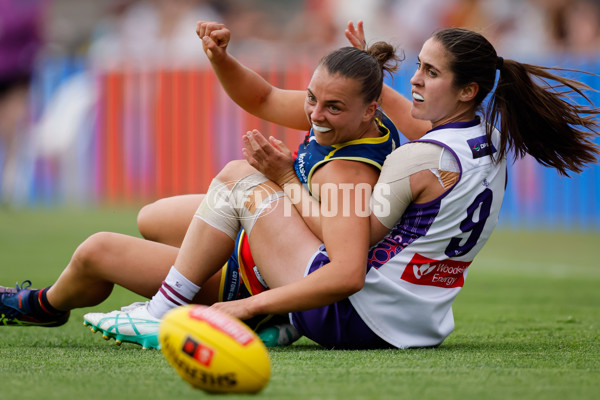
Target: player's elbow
<point x="351" y="284"/>
<point x="354" y="288"/>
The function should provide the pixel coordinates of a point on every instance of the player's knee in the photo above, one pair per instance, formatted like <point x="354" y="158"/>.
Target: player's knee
<point x="147" y="220"/>
<point x="91" y="252"/>
<point x="235" y="170"/>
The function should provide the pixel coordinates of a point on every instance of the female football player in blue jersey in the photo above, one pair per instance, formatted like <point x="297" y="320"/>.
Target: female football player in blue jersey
<point x="346" y="128"/>
<point x="390" y="280"/>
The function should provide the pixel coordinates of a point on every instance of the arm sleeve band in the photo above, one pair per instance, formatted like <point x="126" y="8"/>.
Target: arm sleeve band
<point x="392" y="193"/>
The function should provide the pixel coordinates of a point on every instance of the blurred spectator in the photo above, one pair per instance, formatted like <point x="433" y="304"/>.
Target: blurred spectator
<point x="21" y="37"/>
<point x="313" y="29"/>
<point x="151" y="33"/>
<point x="516" y="28"/>
<point x="532" y="28"/>
<point x="409" y="23"/>
<point x="273" y="32"/>
<point x="577" y="27"/>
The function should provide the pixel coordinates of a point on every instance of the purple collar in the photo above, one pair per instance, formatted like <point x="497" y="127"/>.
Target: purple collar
<point x="460" y="124"/>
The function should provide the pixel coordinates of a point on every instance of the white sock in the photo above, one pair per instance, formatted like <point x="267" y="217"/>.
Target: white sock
<point x="176" y="290"/>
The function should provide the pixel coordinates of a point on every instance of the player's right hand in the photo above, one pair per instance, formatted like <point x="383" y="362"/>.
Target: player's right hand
<point x="356" y="36"/>
<point x="270" y="157"/>
<point x="215" y="38"/>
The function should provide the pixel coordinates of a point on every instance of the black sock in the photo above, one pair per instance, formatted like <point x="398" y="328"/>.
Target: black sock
<point x="40" y="305"/>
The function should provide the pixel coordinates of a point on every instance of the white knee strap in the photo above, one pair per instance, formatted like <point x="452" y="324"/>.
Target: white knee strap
<point x="229" y="209"/>
<point x="217" y="211"/>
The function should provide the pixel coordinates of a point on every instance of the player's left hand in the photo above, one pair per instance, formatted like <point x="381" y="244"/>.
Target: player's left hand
<point x="271" y="157"/>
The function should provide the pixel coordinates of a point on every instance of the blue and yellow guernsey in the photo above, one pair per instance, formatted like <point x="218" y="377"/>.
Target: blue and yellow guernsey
<point x="311" y="155"/>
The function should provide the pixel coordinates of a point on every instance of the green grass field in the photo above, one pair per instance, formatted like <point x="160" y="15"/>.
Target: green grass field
<point x="527" y="327"/>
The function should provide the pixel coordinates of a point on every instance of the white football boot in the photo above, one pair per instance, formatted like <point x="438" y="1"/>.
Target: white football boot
<point x="133" y="324"/>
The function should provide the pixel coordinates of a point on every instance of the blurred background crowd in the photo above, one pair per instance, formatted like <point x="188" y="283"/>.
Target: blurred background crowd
<point x="158" y="31"/>
<point x="66" y="80"/>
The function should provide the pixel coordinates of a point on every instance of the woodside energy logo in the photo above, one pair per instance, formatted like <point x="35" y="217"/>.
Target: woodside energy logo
<point x="429" y="272"/>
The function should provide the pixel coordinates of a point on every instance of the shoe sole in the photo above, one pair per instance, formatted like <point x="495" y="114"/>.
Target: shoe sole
<point x="4" y="321"/>
<point x="149" y="341"/>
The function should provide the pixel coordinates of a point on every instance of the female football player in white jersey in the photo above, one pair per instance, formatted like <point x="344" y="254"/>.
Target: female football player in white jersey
<point x="434" y="206"/>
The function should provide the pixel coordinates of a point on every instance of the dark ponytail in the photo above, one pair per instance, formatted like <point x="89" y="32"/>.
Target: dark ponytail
<point x="530" y="103"/>
<point x="534" y="108"/>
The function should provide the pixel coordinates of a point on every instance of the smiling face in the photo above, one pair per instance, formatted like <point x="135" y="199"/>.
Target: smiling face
<point x="435" y="98"/>
<point x="336" y="110"/>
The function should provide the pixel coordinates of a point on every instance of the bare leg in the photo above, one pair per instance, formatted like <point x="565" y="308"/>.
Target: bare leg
<point x="106" y="259"/>
<point x="205" y="249"/>
<point x="203" y="252"/>
<point x="282" y="256"/>
<point x="167" y="220"/>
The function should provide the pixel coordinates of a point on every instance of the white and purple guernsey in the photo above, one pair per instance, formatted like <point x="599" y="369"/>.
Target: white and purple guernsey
<point x="415" y="273"/>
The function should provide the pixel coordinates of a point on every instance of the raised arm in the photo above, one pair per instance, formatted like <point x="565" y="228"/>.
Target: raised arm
<point x="396" y="106"/>
<point x="246" y="87"/>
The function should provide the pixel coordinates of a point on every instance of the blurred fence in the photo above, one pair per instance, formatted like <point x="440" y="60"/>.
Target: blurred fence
<point x="142" y="135"/>
<point x="130" y="136"/>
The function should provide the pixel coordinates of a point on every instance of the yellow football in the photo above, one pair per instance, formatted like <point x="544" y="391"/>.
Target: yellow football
<point x="213" y="351"/>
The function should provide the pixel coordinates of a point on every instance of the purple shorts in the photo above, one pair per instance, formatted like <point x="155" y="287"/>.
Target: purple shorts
<point x="338" y="325"/>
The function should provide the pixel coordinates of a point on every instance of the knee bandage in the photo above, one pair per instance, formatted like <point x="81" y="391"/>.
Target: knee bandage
<point x="229" y="208"/>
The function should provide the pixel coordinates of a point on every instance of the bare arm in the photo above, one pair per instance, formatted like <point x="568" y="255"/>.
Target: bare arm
<point x="397" y="108"/>
<point x="247" y="88"/>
